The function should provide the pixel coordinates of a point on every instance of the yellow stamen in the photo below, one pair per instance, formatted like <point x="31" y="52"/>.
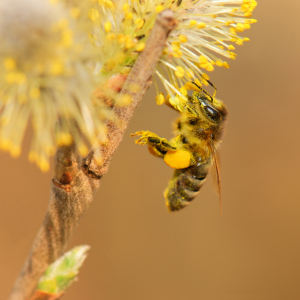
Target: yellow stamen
<point x="179" y="71"/>
<point x="35" y="93"/>
<point x="202" y="59"/>
<point x="9" y="64"/>
<point x="139" y="23"/>
<point x="183" y="91"/>
<point x="201" y="25"/>
<point x="159" y="8"/>
<point x="160" y="99"/>
<point x="75" y="12"/>
<point x="107" y="26"/>
<point x="93" y="14"/>
<point x="140" y="46"/>
<point x="182" y="38"/>
<point x="126" y="7"/>
<point x="240" y="27"/>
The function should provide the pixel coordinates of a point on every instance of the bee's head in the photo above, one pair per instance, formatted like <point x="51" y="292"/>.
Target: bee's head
<point x="213" y="109"/>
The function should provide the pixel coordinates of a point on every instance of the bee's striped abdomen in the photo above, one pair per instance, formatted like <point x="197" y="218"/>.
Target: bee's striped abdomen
<point x="185" y="185"/>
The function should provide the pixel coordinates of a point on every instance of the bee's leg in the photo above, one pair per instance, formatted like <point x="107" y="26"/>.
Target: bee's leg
<point x="215" y="91"/>
<point x="191" y="111"/>
<point x="205" y="92"/>
<point x="211" y="84"/>
<point x="157" y="146"/>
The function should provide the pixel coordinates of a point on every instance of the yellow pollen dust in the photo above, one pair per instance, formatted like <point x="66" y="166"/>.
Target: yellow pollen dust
<point x="139" y="23"/>
<point x="75" y="12"/>
<point x="50" y="150"/>
<point x="43" y="164"/>
<point x="191" y="87"/>
<point x="140" y="47"/>
<point x="160" y="99"/>
<point x="62" y="24"/>
<point x="174" y="101"/>
<point x="57" y="68"/>
<point x="201" y="25"/>
<point x="111" y="36"/>
<point x="35" y="93"/>
<point x="179" y="72"/>
<point x="9" y="64"/>
<point x="177" y="53"/>
<point x="219" y="63"/>
<point x="107" y="3"/>
<point x="179" y="159"/>
<point x="5" y="144"/>
<point x="94" y="14"/>
<point x="124" y="100"/>
<point x="64" y="138"/>
<point x="165" y="51"/>
<point x="15" y="151"/>
<point x="202" y="59"/>
<point x="22" y="98"/>
<point x="126" y="7"/>
<point x="107" y="26"/>
<point x="129" y="43"/>
<point x="83" y="150"/>
<point x="232" y="31"/>
<point x="67" y="37"/>
<point x="226" y="65"/>
<point x="175" y="45"/>
<point x="240" y="27"/>
<point x="205" y="76"/>
<point x="15" y="77"/>
<point x="190" y="73"/>
<point x="128" y="16"/>
<point x="159" y="8"/>
<point x="197" y="81"/>
<point x="182" y="38"/>
<point x="183" y="91"/>
<point x="121" y="38"/>
<point x="205" y="64"/>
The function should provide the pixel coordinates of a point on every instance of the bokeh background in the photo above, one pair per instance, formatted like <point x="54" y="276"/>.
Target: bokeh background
<point x="139" y="250"/>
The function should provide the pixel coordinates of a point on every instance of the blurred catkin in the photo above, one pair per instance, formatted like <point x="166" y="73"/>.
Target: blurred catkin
<point x="55" y="53"/>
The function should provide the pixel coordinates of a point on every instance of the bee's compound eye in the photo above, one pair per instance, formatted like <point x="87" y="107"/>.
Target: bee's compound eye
<point x="212" y="113"/>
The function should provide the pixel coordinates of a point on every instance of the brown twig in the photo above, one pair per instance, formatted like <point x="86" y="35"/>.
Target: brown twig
<point x="76" y="181"/>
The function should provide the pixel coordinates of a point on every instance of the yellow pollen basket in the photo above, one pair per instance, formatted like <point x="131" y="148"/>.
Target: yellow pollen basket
<point x="179" y="159"/>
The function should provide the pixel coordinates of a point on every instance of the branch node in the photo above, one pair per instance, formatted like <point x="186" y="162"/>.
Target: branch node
<point x="66" y="187"/>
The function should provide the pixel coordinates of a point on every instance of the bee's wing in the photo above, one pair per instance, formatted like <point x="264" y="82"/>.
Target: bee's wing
<point x="215" y="173"/>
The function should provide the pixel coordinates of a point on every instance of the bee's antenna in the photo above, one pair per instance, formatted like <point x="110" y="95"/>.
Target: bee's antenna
<point x="215" y="92"/>
<point x="203" y="90"/>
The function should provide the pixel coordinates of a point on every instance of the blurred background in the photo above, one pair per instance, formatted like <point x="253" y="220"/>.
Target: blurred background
<point x="138" y="249"/>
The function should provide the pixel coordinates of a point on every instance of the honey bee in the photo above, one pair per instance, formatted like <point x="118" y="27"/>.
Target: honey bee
<point x="192" y="151"/>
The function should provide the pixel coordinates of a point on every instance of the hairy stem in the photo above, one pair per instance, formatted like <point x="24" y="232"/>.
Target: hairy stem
<point x="76" y="181"/>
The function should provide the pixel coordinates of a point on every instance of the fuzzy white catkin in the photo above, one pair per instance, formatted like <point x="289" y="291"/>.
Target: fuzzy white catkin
<point x="25" y="27"/>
